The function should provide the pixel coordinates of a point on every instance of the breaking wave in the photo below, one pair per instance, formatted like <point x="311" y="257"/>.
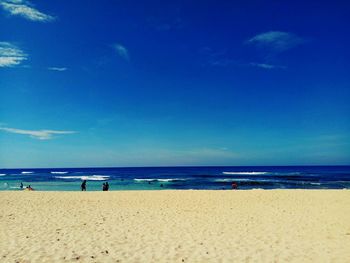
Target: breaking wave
<point x="171" y="180"/>
<point x="58" y="172"/>
<point x="144" y="180"/>
<point x="245" y="173"/>
<point x="25" y="172"/>
<point x="159" y="180"/>
<point x="85" y="177"/>
<point x="233" y="180"/>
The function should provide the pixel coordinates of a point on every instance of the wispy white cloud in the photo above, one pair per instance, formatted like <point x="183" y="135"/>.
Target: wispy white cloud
<point x="266" y="66"/>
<point x="276" y="40"/>
<point x="57" y="68"/>
<point x="11" y="55"/>
<point x="122" y="51"/>
<point x="25" y="9"/>
<point x="37" y="134"/>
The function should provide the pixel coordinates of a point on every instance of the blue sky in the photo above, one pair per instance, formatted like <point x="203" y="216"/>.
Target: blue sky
<point x="156" y="83"/>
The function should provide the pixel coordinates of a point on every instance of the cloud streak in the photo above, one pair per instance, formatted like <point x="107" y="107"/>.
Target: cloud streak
<point x="122" y="51"/>
<point x="266" y="66"/>
<point x="277" y="41"/>
<point x="57" y="68"/>
<point x="11" y="55"/>
<point x="25" y="9"/>
<point x="37" y="134"/>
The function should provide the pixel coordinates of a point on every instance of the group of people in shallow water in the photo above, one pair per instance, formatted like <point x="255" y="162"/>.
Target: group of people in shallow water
<point x="105" y="186"/>
<point x="28" y="188"/>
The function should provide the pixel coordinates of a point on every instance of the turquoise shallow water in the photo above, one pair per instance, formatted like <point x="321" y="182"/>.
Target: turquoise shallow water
<point x="159" y="178"/>
<point x="75" y="186"/>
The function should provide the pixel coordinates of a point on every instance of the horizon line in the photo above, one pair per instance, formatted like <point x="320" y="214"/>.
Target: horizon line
<point x="175" y="166"/>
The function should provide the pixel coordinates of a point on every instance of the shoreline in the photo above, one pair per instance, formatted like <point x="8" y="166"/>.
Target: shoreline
<point x="172" y="190"/>
<point x="175" y="226"/>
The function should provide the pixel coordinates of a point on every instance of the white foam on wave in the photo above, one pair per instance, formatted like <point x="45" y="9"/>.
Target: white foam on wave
<point x="171" y="180"/>
<point x="25" y="172"/>
<point x="245" y="173"/>
<point x="144" y="180"/>
<point x="245" y="180"/>
<point x="95" y="177"/>
<point x="232" y="180"/>
<point x="58" y="172"/>
<point x="85" y="177"/>
<point x="2" y="174"/>
<point x="159" y="180"/>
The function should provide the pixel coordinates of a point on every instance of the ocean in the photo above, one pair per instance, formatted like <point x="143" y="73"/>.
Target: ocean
<point x="162" y="178"/>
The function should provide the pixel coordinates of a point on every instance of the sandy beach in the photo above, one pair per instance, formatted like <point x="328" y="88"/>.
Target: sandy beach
<point x="176" y="226"/>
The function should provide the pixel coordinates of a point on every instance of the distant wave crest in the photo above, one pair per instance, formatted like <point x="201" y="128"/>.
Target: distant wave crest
<point x="25" y="172"/>
<point x="144" y="180"/>
<point x="85" y="177"/>
<point x="243" y="180"/>
<point x="245" y="173"/>
<point x="232" y="180"/>
<point x="59" y="172"/>
<point x="171" y="180"/>
<point x="2" y="174"/>
<point x="159" y="180"/>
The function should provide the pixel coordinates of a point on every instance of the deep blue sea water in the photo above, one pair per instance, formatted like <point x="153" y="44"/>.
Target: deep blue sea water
<point x="159" y="178"/>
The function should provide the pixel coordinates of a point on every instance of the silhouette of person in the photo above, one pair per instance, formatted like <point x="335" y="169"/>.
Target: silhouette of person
<point x="21" y="185"/>
<point x="234" y="185"/>
<point x="83" y="186"/>
<point x="107" y="186"/>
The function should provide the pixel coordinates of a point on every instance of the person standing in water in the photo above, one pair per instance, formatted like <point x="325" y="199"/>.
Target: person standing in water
<point x="105" y="186"/>
<point x="234" y="185"/>
<point x="21" y="186"/>
<point x="83" y="186"/>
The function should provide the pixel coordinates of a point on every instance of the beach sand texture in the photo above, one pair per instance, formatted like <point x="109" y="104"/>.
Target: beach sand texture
<point x="176" y="226"/>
